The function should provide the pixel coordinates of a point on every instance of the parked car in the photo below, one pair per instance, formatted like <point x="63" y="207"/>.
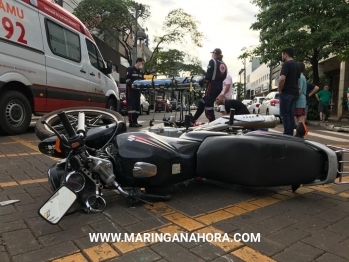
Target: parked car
<point x="162" y="104"/>
<point x="174" y="105"/>
<point x="270" y="105"/>
<point x="193" y="107"/>
<point x="49" y="61"/>
<point x="144" y="106"/>
<point x="255" y="104"/>
<point x="246" y="102"/>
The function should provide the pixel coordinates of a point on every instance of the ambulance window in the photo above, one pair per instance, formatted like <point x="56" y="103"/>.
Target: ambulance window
<point x="95" y="56"/>
<point x="100" y="61"/>
<point x="63" y="42"/>
<point x="92" y="54"/>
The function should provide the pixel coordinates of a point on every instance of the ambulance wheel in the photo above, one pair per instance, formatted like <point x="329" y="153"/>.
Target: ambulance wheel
<point x="15" y="113"/>
<point x="94" y="117"/>
<point x="111" y="104"/>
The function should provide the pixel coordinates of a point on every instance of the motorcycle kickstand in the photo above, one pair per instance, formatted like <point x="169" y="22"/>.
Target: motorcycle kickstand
<point x="134" y="199"/>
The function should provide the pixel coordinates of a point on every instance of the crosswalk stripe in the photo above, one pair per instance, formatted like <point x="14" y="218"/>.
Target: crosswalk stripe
<point x="337" y="139"/>
<point x="335" y="133"/>
<point x="318" y="135"/>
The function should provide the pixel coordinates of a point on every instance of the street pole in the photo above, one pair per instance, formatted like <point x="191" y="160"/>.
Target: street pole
<point x="60" y="2"/>
<point x="245" y="78"/>
<point x="270" y="76"/>
<point x="134" y="49"/>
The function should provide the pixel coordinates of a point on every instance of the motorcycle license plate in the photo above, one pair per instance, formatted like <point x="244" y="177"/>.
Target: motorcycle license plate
<point x="160" y="105"/>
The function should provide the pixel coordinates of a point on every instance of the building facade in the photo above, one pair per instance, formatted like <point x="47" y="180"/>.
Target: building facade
<point x="257" y="80"/>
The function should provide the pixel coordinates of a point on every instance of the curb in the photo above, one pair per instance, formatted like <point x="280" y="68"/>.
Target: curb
<point x="324" y="125"/>
<point x="342" y="129"/>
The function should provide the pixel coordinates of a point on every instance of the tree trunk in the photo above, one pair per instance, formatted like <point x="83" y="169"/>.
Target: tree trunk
<point x="315" y="65"/>
<point x="316" y="77"/>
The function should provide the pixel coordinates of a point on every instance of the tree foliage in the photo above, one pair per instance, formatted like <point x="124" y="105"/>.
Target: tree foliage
<point x="112" y="19"/>
<point x="314" y="28"/>
<point x="179" y="28"/>
<point x="173" y="62"/>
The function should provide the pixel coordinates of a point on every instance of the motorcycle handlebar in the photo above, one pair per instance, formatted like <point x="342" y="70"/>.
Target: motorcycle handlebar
<point x="81" y="123"/>
<point x="68" y="127"/>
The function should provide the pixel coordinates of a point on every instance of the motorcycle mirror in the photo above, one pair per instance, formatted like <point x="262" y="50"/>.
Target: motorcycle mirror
<point x="58" y="205"/>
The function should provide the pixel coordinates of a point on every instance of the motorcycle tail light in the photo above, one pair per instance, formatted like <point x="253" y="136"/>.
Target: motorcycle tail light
<point x="257" y="105"/>
<point x="124" y="102"/>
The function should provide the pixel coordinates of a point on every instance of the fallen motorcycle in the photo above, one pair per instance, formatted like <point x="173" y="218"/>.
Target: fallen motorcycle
<point x="108" y="157"/>
<point x="99" y="117"/>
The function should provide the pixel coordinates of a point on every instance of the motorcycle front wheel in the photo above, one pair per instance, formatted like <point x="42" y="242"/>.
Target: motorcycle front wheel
<point x="94" y="117"/>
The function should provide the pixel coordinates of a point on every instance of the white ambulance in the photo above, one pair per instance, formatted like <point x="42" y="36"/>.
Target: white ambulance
<point x="48" y="61"/>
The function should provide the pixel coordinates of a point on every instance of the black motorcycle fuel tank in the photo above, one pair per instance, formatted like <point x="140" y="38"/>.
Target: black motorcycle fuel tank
<point x="174" y="158"/>
<point x="260" y="160"/>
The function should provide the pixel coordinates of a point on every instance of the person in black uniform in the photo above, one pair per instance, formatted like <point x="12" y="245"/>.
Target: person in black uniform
<point x="133" y="96"/>
<point x="240" y="108"/>
<point x="215" y="75"/>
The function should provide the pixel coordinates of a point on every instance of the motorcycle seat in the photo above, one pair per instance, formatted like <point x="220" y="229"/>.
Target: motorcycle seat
<point x="200" y="136"/>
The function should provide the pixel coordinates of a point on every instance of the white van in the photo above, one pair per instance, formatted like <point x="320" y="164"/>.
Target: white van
<point x="48" y="61"/>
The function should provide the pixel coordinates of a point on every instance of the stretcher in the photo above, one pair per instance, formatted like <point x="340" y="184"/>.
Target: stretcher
<point x="184" y="86"/>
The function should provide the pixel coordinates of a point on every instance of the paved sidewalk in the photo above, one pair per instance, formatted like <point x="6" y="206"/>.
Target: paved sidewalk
<point x="310" y="225"/>
<point x="332" y="124"/>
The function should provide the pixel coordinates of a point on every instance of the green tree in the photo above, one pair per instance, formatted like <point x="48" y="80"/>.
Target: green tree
<point x="173" y="62"/>
<point x="179" y="28"/>
<point x="112" y="19"/>
<point x="314" y="28"/>
<point x="166" y="62"/>
<point x="192" y="66"/>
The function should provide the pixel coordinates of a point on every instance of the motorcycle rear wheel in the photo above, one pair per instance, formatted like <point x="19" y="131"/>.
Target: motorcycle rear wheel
<point x="94" y="117"/>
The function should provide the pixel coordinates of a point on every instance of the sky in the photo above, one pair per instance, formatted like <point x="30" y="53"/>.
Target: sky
<point x="225" y="23"/>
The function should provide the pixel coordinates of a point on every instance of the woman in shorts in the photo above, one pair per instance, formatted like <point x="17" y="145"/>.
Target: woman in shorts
<point x="302" y="101"/>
